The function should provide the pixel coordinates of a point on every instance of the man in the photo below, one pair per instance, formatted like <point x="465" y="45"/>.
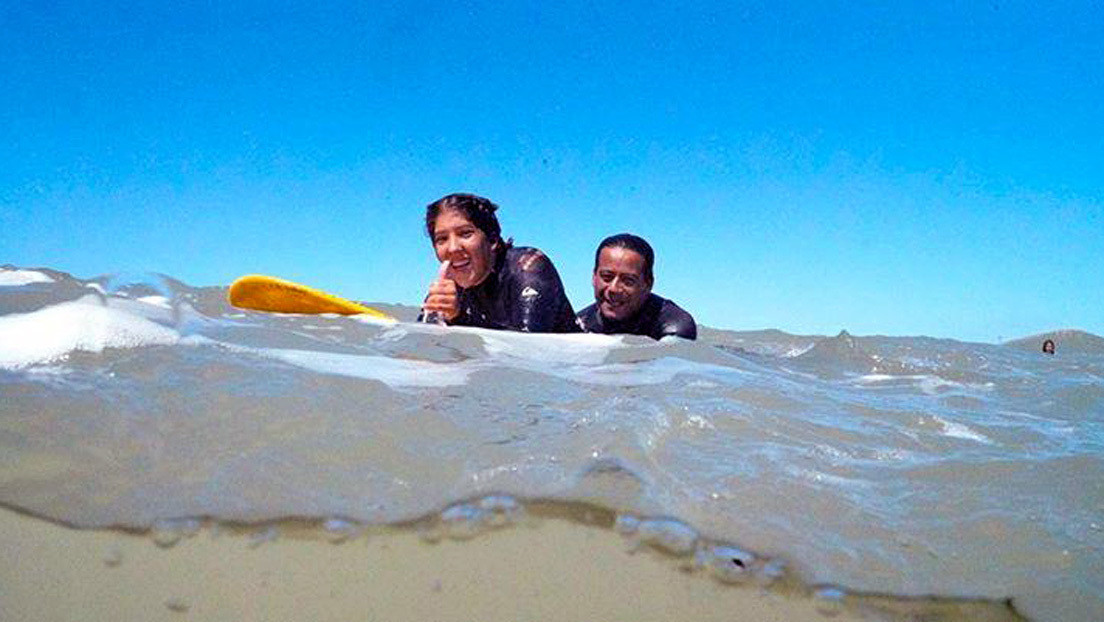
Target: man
<point x="624" y="302"/>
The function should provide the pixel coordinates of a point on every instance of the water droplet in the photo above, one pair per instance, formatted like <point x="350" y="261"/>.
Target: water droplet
<point x="770" y="572"/>
<point x="829" y="600"/>
<point x="668" y="535"/>
<point x="626" y="524"/>
<point x="169" y="531"/>
<point x="462" y="521"/>
<point x="263" y="535"/>
<point x="114" y="557"/>
<point x="339" y="529"/>
<point x="726" y="563"/>
<point x="500" y="510"/>
<point x="177" y="605"/>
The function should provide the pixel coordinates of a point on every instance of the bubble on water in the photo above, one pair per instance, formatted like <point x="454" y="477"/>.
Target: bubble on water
<point x="462" y="521"/>
<point x="167" y="532"/>
<point x="770" y="572"/>
<point x="177" y="605"/>
<point x="727" y="563"/>
<point x="500" y="510"/>
<point x="626" y="524"/>
<point x="829" y="600"/>
<point x="667" y="535"/>
<point x="263" y="535"/>
<point x="430" y="532"/>
<point x="114" y="557"/>
<point x="467" y="520"/>
<point x="339" y="529"/>
<point x="165" y="538"/>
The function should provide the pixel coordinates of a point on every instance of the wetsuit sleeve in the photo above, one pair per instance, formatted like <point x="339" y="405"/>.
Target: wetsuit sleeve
<point x="589" y="320"/>
<point x="673" y="320"/>
<point x="538" y="303"/>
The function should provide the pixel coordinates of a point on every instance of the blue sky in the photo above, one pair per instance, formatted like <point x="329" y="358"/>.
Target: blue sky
<point x="896" y="169"/>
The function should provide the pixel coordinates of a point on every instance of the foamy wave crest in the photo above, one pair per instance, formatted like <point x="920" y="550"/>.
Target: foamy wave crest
<point x="85" y="326"/>
<point x="18" y="278"/>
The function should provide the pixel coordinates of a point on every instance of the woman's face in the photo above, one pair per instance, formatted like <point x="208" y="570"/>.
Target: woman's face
<point x="464" y="246"/>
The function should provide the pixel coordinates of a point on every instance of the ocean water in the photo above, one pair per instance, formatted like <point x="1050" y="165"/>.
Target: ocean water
<point x="905" y="466"/>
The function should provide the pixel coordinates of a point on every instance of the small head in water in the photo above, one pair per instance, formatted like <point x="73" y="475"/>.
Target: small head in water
<point x="465" y="232"/>
<point x="1048" y="346"/>
<point x="622" y="275"/>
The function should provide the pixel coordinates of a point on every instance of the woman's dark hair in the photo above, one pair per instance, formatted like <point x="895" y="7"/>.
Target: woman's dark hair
<point x="480" y="211"/>
<point x="633" y="243"/>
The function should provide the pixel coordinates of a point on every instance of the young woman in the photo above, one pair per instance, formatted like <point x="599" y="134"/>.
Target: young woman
<point x="487" y="282"/>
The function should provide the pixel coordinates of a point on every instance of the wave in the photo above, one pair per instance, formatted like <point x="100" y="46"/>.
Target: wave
<point x="903" y="465"/>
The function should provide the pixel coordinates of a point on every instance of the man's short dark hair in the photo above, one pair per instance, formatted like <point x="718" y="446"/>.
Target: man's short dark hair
<point x="633" y="243"/>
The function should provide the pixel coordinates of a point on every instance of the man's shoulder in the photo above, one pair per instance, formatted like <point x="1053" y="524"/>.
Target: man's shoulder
<point x="589" y="319"/>
<point x="674" y="320"/>
<point x="666" y="305"/>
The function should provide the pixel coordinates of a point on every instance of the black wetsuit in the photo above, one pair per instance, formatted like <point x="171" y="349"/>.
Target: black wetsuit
<point x="523" y="293"/>
<point x="657" y="318"/>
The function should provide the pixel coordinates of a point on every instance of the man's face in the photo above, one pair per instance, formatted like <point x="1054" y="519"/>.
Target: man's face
<point x="619" y="285"/>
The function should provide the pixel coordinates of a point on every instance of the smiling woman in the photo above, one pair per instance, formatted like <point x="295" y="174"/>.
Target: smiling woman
<point x="484" y="280"/>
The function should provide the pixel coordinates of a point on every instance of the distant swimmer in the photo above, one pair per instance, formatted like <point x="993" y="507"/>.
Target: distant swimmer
<point x="1048" y="347"/>
<point x="485" y="281"/>
<point x="624" y="302"/>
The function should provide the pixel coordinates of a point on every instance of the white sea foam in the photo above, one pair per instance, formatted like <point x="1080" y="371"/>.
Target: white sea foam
<point x="157" y="301"/>
<point x="393" y="372"/>
<point x="871" y="378"/>
<point x="578" y="348"/>
<point x="797" y="351"/>
<point x="364" y="318"/>
<point x="48" y="334"/>
<point x="926" y="383"/>
<point x="549" y="348"/>
<point x="658" y="371"/>
<point x="933" y="385"/>
<point x="959" y="430"/>
<point x="16" y="278"/>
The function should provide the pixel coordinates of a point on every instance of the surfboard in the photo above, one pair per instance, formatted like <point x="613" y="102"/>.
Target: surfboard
<point x="268" y="293"/>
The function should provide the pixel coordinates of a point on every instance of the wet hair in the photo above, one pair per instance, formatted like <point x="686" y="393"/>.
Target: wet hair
<point x="480" y="211"/>
<point x="1048" y="342"/>
<point x="633" y="243"/>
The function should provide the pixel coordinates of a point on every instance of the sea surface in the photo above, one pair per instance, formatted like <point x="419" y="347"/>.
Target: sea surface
<point x="900" y="465"/>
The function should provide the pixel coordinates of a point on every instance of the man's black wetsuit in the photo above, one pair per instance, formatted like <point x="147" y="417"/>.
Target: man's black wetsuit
<point x="657" y="318"/>
<point x="523" y="292"/>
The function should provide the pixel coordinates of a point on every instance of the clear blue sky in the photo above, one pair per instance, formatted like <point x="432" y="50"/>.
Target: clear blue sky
<point x="886" y="168"/>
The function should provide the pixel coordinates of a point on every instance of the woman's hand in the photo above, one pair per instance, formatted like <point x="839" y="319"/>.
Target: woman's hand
<point x="442" y="298"/>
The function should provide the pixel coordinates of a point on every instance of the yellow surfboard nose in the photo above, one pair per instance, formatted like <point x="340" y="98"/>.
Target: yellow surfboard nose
<point x="268" y="293"/>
